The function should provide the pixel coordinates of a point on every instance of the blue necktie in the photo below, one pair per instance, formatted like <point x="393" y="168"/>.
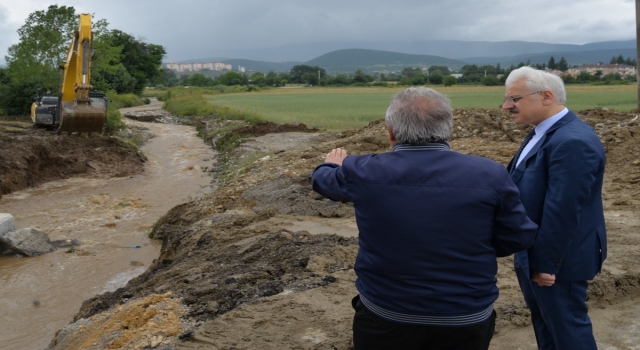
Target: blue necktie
<point x="524" y="143"/>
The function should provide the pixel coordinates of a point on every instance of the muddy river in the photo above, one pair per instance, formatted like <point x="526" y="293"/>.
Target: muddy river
<point x="110" y="217"/>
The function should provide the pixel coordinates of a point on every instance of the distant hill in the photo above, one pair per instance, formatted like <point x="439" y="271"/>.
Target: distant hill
<point x="454" y="49"/>
<point x="398" y="55"/>
<point x="350" y="60"/>
<point x="575" y="58"/>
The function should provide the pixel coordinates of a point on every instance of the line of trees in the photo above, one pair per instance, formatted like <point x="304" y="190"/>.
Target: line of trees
<point x="120" y="61"/>
<point x="437" y="75"/>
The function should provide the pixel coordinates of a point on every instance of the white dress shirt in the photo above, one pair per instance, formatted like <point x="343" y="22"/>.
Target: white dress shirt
<point x="540" y="130"/>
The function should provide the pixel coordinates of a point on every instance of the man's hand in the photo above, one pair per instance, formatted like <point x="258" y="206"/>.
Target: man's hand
<point x="543" y="279"/>
<point x="337" y="155"/>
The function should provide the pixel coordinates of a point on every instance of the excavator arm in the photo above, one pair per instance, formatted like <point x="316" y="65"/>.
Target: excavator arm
<point x="80" y="109"/>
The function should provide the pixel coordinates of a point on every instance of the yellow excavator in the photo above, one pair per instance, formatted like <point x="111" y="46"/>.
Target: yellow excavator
<point x="77" y="108"/>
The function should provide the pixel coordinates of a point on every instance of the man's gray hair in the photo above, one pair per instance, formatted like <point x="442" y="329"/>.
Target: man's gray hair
<point x="538" y="80"/>
<point x="419" y="115"/>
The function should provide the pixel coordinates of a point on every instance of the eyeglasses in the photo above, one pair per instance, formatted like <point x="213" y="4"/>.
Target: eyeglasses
<point x="515" y="99"/>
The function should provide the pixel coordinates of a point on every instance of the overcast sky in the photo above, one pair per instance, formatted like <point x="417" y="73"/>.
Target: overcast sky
<point x="191" y="29"/>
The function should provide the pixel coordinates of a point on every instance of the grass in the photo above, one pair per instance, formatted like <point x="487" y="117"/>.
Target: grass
<point x="124" y="100"/>
<point x="353" y="107"/>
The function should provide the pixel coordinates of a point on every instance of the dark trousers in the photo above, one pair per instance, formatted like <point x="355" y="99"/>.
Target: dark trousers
<point x="371" y="333"/>
<point x="558" y="313"/>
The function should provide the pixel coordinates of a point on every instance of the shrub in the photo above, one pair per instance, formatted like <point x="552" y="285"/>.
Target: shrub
<point x="124" y="100"/>
<point x="115" y="121"/>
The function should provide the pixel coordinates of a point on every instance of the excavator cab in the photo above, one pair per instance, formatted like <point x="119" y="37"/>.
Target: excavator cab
<point x="44" y="109"/>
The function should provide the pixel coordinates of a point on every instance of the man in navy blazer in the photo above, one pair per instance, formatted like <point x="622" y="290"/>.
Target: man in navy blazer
<point x="431" y="223"/>
<point x="559" y="172"/>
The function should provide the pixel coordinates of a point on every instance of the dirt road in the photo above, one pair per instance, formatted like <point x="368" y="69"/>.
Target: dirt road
<point x="108" y="215"/>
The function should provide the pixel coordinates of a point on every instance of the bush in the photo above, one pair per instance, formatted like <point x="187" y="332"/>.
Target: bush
<point x="115" y="121"/>
<point x="449" y="80"/>
<point x="124" y="100"/>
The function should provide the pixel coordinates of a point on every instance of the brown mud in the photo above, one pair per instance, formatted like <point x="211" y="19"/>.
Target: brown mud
<point x="266" y="263"/>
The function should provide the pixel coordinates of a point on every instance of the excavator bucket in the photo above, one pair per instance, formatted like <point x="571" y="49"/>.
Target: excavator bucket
<point x="83" y="117"/>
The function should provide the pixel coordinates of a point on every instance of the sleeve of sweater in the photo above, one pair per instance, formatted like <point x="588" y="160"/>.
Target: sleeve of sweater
<point x="329" y="180"/>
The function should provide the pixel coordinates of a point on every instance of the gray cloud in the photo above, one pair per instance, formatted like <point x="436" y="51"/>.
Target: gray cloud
<point x="199" y="28"/>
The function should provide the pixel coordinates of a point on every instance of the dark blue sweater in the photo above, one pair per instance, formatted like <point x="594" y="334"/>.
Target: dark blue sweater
<point x="431" y="223"/>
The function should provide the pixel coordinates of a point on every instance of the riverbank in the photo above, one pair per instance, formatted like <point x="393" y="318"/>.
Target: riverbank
<point x="265" y="263"/>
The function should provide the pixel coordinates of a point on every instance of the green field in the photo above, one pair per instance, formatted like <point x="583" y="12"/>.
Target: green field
<point x="348" y="108"/>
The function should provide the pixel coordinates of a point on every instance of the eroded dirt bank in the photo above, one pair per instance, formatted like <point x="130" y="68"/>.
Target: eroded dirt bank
<point x="33" y="156"/>
<point x="258" y="263"/>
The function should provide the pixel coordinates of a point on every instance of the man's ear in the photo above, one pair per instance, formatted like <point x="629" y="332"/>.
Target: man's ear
<point x="392" y="138"/>
<point x="548" y="98"/>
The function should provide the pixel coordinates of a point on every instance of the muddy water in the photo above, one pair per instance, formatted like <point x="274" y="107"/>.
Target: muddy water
<point x="110" y="217"/>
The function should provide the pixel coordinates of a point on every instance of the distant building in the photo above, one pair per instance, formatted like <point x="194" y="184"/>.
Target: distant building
<point x="198" y="66"/>
<point x="241" y="69"/>
<point x="622" y="69"/>
<point x="456" y="75"/>
<point x="554" y="71"/>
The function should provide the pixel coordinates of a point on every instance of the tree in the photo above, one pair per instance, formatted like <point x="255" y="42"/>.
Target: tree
<point x="33" y="62"/>
<point x="141" y="60"/>
<point x="444" y="70"/>
<point x="44" y="38"/>
<point x="340" y="79"/>
<point x="296" y="73"/>
<point x="168" y="78"/>
<point x="233" y="78"/>
<point x="490" y="80"/>
<point x="436" y="78"/>
<point x="117" y="79"/>
<point x="409" y="72"/>
<point x="562" y="64"/>
<point x="198" y="79"/>
<point x="309" y="78"/>
<point x="552" y="63"/>
<point x="44" y="43"/>
<point x="449" y="80"/>
<point x="118" y="61"/>
<point x="584" y="77"/>
<point x="361" y="77"/>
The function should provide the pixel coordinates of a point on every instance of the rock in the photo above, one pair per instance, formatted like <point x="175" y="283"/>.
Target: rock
<point x="7" y="223"/>
<point x="27" y="242"/>
<point x="155" y="116"/>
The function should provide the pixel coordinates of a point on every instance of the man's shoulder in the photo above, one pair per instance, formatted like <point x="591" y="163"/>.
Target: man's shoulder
<point x="573" y="127"/>
<point x="470" y="159"/>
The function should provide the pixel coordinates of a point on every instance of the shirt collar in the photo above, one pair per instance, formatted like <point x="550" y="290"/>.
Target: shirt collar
<point x="548" y="123"/>
<point x="431" y="146"/>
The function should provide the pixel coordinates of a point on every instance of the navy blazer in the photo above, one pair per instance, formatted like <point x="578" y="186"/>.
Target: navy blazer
<point x="560" y="182"/>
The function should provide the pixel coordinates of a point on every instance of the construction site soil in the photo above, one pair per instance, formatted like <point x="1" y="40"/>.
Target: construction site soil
<point x="266" y="263"/>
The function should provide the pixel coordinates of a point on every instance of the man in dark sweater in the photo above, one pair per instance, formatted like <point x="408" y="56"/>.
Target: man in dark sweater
<point x="431" y="223"/>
